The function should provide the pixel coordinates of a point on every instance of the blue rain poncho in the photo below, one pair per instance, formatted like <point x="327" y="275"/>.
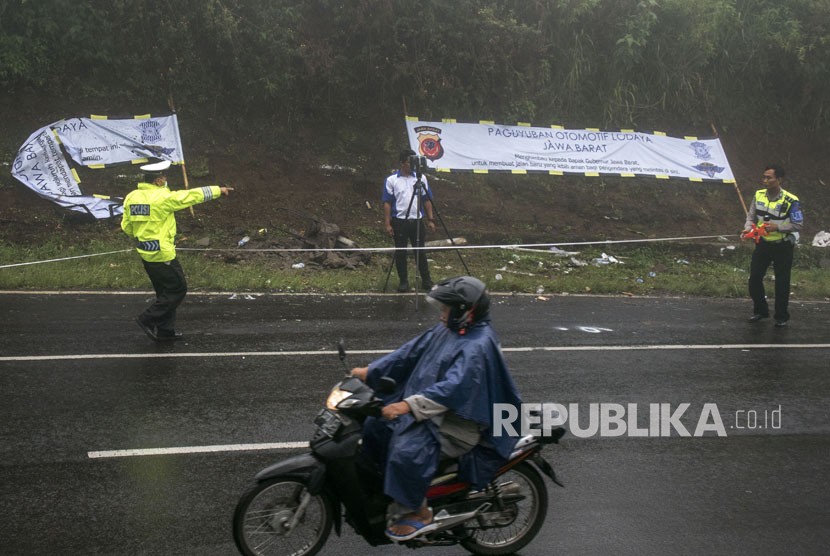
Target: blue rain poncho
<point x="465" y="373"/>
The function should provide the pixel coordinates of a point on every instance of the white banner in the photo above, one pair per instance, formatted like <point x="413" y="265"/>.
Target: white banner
<point x="95" y="142"/>
<point x="99" y="141"/>
<point x="484" y="146"/>
<point x="41" y="166"/>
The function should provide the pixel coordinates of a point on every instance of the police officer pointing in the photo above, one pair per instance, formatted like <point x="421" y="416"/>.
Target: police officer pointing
<point x="149" y="219"/>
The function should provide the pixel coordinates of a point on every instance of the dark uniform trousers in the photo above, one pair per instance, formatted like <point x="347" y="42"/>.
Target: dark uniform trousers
<point x="412" y="231"/>
<point x="171" y="287"/>
<point x="780" y="255"/>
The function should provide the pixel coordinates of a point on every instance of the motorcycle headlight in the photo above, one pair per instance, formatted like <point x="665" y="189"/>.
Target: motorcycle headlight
<point x="335" y="397"/>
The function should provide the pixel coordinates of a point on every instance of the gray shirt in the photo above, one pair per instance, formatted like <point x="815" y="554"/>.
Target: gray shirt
<point x="458" y="435"/>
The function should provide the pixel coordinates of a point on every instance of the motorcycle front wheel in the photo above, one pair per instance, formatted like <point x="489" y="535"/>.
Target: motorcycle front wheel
<point x="519" y="521"/>
<point x="279" y="517"/>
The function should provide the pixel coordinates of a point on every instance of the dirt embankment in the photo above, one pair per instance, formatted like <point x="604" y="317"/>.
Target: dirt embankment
<point x="278" y="189"/>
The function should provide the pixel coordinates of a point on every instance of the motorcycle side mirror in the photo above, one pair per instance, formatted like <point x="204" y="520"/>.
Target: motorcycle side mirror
<point x="341" y="352"/>
<point x="387" y="385"/>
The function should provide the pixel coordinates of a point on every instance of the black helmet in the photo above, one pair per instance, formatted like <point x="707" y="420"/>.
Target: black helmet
<point x="467" y="299"/>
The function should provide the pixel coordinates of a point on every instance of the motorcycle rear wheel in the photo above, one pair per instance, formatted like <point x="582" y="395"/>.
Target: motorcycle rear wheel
<point x="526" y="516"/>
<point x="261" y="521"/>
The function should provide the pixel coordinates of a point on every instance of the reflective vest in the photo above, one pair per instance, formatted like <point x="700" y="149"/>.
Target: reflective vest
<point x="778" y="212"/>
<point x="149" y="217"/>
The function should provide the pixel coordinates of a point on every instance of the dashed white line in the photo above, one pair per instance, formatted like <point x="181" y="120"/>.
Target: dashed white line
<point x="195" y="450"/>
<point x="203" y="355"/>
<point x="140" y="452"/>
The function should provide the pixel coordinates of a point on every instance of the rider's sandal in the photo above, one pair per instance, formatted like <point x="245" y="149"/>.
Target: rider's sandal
<point x="420" y="529"/>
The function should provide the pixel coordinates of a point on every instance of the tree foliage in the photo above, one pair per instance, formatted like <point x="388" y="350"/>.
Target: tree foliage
<point x="284" y="63"/>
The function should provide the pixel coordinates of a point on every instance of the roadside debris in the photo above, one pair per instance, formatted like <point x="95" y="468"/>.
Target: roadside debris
<point x="821" y="239"/>
<point x="345" y="242"/>
<point x="605" y="259"/>
<point x="443" y="242"/>
<point x="576" y="262"/>
<point x="331" y="169"/>
<point x="322" y="239"/>
<point x="562" y="253"/>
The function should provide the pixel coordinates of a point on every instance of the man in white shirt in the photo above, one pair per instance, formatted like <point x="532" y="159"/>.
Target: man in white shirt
<point x="404" y="213"/>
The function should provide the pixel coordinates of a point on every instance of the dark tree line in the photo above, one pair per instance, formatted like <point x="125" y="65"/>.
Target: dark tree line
<point x="348" y="63"/>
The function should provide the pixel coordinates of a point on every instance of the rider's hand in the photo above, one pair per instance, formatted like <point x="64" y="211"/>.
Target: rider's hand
<point x="360" y="372"/>
<point x="395" y="410"/>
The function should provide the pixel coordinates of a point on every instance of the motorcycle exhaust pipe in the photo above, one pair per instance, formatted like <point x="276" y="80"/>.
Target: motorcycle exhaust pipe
<point x="505" y="489"/>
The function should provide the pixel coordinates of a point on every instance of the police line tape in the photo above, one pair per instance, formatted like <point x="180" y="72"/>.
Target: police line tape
<point x="66" y="258"/>
<point x="534" y="246"/>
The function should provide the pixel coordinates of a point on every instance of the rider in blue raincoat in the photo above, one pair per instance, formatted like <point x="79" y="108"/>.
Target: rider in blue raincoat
<point x="448" y="379"/>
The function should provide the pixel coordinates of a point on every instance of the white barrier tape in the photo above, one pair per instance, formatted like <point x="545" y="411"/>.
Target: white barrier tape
<point x="65" y="258"/>
<point x="535" y="246"/>
<point x="453" y="247"/>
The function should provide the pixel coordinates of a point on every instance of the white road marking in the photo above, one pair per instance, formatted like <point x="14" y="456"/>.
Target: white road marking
<point x="195" y="450"/>
<point x="297" y="445"/>
<point x="243" y="354"/>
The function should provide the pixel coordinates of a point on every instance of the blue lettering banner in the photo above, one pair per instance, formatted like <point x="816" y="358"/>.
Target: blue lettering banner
<point x="486" y="146"/>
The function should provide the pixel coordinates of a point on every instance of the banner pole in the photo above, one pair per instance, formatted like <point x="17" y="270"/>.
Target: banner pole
<point x="172" y="106"/>
<point x="187" y="186"/>
<point x="737" y="189"/>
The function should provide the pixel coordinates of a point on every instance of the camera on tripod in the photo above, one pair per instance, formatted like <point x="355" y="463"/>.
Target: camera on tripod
<point x="418" y="164"/>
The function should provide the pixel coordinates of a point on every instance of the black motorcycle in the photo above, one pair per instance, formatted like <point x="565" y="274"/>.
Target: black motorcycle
<point x="294" y="503"/>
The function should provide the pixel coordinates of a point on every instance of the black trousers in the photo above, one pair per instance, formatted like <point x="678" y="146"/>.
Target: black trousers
<point x="405" y="231"/>
<point x="171" y="287"/>
<point x="780" y="255"/>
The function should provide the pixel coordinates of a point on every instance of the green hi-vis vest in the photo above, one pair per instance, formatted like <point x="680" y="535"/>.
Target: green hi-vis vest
<point x="778" y="212"/>
<point x="149" y="217"/>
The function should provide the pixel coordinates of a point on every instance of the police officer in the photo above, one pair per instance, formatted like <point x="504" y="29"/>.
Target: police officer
<point x="149" y="219"/>
<point x="779" y="211"/>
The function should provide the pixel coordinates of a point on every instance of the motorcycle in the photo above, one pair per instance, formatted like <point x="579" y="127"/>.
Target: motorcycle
<point x="294" y="503"/>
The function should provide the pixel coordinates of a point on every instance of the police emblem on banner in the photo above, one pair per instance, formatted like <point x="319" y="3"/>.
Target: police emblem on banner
<point x="429" y="142"/>
<point x="709" y="169"/>
<point x="701" y="151"/>
<point x="150" y="131"/>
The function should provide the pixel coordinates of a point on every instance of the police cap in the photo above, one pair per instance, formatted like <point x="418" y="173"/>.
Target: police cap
<point x="156" y="167"/>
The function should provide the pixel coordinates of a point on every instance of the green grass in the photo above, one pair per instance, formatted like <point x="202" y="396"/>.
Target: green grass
<point x="701" y="270"/>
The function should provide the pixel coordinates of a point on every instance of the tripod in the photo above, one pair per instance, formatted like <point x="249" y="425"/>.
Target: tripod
<point x="415" y="198"/>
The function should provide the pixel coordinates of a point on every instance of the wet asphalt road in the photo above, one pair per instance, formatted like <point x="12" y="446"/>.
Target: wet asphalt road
<point x="78" y="376"/>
